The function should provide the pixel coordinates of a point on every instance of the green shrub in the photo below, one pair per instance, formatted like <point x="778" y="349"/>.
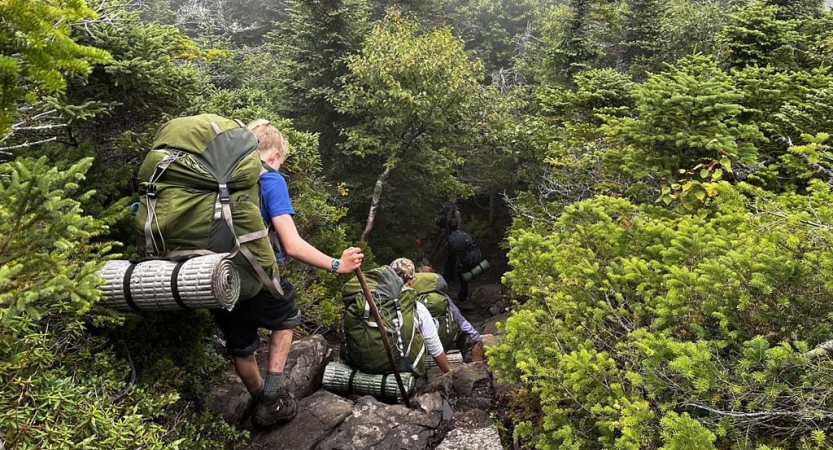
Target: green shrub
<point x="648" y="329"/>
<point x="64" y="387"/>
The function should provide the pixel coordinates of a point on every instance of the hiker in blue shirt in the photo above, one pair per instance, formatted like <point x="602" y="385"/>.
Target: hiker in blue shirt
<point x="271" y="402"/>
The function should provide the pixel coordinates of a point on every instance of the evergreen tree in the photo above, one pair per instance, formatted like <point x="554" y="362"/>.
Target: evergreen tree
<point x="755" y="36"/>
<point x="310" y="48"/>
<point x="688" y="115"/>
<point x="37" y="52"/>
<point x="643" y="36"/>
<point x="797" y="9"/>
<point x="576" y="51"/>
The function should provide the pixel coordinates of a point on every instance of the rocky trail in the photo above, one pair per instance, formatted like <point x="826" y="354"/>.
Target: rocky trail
<point x="449" y="411"/>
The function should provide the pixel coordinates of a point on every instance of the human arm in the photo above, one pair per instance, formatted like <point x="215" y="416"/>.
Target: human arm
<point x="464" y="324"/>
<point x="295" y="246"/>
<point x="428" y="330"/>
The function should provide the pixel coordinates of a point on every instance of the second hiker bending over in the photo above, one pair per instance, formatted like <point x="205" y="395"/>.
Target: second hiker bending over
<point x="425" y="323"/>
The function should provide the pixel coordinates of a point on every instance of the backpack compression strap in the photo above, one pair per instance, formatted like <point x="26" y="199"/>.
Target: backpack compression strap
<point x="273" y="285"/>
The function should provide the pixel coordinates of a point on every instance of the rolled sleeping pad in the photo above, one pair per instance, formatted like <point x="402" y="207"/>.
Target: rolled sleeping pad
<point x="204" y="282"/>
<point x="476" y="271"/>
<point x="343" y="379"/>
<point x="455" y="358"/>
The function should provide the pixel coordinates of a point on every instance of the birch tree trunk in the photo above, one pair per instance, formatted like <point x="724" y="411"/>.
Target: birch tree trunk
<point x="374" y="203"/>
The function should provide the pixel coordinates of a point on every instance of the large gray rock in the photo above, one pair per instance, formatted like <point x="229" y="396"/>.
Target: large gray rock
<point x="318" y="415"/>
<point x="305" y="365"/>
<point x="485" y="295"/>
<point x="466" y="387"/>
<point x="304" y="369"/>
<point x="472" y="439"/>
<point x="490" y="325"/>
<point x="229" y="398"/>
<point x="375" y="425"/>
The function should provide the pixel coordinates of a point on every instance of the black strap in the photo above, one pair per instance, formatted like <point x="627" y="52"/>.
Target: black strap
<point x="385" y="387"/>
<point x="127" y="295"/>
<point x="175" y="285"/>
<point x="350" y="382"/>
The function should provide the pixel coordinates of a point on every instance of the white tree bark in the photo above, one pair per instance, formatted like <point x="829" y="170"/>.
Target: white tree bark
<point x="374" y="202"/>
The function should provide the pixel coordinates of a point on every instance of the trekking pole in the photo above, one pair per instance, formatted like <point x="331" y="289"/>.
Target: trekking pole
<point x="382" y="330"/>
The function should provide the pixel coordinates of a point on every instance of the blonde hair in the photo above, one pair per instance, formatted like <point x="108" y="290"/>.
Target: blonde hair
<point x="269" y="139"/>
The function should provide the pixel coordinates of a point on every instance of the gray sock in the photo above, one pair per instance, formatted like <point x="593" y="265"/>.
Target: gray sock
<point x="271" y="384"/>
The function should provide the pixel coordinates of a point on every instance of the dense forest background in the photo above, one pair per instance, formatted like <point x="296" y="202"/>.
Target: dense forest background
<point x="666" y="164"/>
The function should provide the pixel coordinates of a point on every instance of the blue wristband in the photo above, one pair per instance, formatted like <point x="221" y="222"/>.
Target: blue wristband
<point x="334" y="265"/>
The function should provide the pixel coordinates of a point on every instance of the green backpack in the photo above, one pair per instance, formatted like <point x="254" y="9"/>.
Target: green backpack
<point x="200" y="195"/>
<point x="363" y="348"/>
<point x="432" y="290"/>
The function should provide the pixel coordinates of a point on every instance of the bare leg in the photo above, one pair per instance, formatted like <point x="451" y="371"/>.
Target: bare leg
<point x="279" y="344"/>
<point x="247" y="370"/>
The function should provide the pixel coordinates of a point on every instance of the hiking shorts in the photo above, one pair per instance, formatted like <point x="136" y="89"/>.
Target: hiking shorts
<point x="240" y="325"/>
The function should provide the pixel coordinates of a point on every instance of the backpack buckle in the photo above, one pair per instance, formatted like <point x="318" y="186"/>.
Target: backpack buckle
<point x="225" y="194"/>
<point x="151" y="190"/>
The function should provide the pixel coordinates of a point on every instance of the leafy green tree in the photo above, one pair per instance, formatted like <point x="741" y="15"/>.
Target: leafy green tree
<point x="414" y="99"/>
<point x="37" y="52"/>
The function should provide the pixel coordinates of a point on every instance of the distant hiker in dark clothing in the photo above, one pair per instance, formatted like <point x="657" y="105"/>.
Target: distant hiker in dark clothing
<point x="271" y="400"/>
<point x="461" y="255"/>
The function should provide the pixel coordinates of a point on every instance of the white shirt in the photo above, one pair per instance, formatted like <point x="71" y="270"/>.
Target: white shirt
<point x="428" y="330"/>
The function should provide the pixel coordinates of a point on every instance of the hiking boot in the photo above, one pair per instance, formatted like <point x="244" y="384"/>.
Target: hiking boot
<point x="279" y="410"/>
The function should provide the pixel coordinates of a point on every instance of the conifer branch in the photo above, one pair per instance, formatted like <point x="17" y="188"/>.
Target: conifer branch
<point x="5" y="150"/>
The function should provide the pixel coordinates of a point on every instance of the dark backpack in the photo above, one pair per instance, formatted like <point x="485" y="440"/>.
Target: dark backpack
<point x="200" y="194"/>
<point x="363" y="347"/>
<point x="463" y="247"/>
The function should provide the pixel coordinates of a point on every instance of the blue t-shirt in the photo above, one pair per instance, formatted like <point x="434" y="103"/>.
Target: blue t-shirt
<point x="274" y="202"/>
<point x="274" y="197"/>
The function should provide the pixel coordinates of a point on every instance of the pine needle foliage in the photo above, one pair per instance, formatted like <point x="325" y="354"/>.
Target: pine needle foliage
<point x="37" y="52"/>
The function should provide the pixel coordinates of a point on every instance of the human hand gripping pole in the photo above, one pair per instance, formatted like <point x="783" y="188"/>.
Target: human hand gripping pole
<point x="378" y="317"/>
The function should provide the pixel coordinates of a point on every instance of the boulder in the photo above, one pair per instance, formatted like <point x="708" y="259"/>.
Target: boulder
<point x="498" y="308"/>
<point x="486" y="438"/>
<point x="466" y="387"/>
<point x="485" y="295"/>
<point x="304" y="369"/>
<point x="229" y="398"/>
<point x="490" y="326"/>
<point x="318" y="415"/>
<point x="478" y="353"/>
<point x="305" y="365"/>
<point x="375" y="425"/>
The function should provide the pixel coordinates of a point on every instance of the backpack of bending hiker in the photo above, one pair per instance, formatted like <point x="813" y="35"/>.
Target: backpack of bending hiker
<point x="432" y="290"/>
<point x="363" y="348"/>
<point x="199" y="194"/>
